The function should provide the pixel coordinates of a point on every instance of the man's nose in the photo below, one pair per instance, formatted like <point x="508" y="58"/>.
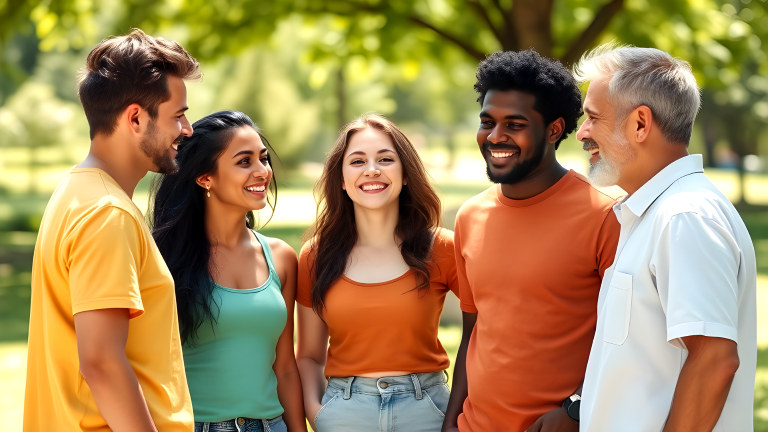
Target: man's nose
<point x="581" y="134"/>
<point x="497" y="136"/>
<point x="186" y="128"/>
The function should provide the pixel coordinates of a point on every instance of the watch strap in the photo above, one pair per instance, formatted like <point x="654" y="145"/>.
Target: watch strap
<point x="572" y="405"/>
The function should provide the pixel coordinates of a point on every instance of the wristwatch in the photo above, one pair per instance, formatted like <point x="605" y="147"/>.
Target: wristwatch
<point x="571" y="405"/>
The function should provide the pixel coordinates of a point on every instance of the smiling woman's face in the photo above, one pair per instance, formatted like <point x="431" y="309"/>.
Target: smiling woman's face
<point x="372" y="171"/>
<point x="242" y="172"/>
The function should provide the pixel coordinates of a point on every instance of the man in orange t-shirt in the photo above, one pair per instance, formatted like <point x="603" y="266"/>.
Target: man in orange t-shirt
<point x="531" y="252"/>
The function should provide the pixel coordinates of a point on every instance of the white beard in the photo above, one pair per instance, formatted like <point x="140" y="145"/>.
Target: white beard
<point x="606" y="171"/>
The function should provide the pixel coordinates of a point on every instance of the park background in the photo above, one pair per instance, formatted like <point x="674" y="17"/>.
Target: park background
<point x="301" y="69"/>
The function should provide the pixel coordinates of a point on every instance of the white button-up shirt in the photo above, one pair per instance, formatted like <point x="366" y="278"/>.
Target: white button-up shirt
<point x="685" y="266"/>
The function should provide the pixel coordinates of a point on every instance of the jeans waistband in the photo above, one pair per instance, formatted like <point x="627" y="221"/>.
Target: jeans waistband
<point x="412" y="383"/>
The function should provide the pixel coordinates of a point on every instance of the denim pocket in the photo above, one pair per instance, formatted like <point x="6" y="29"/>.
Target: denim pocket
<point x="328" y="398"/>
<point x="438" y="397"/>
<point x="277" y="425"/>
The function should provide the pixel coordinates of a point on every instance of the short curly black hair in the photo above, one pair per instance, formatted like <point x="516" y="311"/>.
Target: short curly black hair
<point x="557" y="94"/>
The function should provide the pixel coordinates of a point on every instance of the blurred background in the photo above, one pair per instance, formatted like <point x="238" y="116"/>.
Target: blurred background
<point x="301" y="69"/>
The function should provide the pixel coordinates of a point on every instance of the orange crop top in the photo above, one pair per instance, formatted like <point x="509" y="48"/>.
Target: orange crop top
<point x="389" y="325"/>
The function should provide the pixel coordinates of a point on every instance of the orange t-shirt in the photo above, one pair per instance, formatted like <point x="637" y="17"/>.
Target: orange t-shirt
<point x="531" y="269"/>
<point x="389" y="325"/>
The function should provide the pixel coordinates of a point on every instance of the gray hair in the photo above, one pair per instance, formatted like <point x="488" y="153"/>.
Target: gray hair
<point x="650" y="77"/>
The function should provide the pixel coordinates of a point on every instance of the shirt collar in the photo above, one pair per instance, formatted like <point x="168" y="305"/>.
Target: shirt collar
<point x="639" y="201"/>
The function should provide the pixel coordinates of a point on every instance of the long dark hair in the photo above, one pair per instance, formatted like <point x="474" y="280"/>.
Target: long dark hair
<point x="335" y="232"/>
<point x="178" y="209"/>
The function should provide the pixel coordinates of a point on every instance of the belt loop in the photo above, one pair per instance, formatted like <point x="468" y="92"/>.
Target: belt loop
<point x="265" y="424"/>
<point x="348" y="388"/>
<point x="206" y="427"/>
<point x="416" y="386"/>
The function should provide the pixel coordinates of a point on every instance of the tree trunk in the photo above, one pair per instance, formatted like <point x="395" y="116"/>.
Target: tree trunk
<point x="532" y="25"/>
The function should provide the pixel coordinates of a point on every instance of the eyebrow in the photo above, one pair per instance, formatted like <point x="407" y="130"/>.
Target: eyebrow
<point x="363" y="153"/>
<point x="250" y="152"/>
<point x="507" y="117"/>
<point x="590" y="111"/>
<point x="181" y="110"/>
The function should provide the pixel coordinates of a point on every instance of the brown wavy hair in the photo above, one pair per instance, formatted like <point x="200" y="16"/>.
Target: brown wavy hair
<point x="335" y="232"/>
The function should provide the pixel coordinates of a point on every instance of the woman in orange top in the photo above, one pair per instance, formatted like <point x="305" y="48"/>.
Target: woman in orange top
<point x="374" y="279"/>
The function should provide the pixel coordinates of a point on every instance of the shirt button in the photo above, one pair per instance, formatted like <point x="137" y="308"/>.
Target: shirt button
<point x="240" y="421"/>
<point x="384" y="384"/>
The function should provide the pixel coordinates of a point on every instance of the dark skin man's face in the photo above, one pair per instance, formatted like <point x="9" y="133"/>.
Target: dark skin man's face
<point x="512" y="136"/>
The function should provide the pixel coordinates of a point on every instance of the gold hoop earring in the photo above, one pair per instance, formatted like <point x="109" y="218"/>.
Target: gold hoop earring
<point x="209" y="190"/>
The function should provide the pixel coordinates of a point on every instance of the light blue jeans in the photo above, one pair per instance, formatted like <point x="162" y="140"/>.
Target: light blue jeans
<point x="241" y="424"/>
<point x="408" y="403"/>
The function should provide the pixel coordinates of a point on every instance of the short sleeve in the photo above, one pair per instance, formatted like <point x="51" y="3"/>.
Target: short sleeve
<point x="607" y="242"/>
<point x="103" y="255"/>
<point x="304" y="280"/>
<point x="466" y="298"/>
<point x="696" y="264"/>
<point x="443" y="252"/>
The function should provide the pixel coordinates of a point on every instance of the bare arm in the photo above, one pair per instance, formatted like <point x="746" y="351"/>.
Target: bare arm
<point x="459" y="389"/>
<point x="704" y="384"/>
<point x="312" y="355"/>
<point x="288" y="380"/>
<point x="101" y="338"/>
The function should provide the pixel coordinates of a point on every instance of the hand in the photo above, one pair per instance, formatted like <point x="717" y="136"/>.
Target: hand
<point x="556" y="420"/>
<point x="312" y="413"/>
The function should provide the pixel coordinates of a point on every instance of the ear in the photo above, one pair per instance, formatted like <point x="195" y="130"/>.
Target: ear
<point x="343" y="186"/>
<point x="132" y="116"/>
<point x="555" y="130"/>
<point x="204" y="181"/>
<point x="405" y="180"/>
<point x="642" y="119"/>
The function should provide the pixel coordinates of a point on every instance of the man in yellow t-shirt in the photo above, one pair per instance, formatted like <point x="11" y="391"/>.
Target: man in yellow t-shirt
<point x="104" y="349"/>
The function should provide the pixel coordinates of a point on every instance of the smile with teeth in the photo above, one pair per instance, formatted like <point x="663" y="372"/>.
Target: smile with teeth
<point x="261" y="188"/>
<point x="503" y="154"/>
<point x="372" y="186"/>
<point x="593" y="150"/>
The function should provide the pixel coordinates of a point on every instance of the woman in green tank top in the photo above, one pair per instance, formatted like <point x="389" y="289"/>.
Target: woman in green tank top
<point x="235" y="288"/>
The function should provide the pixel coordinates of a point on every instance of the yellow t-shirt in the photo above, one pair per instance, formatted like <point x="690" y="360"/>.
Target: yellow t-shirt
<point x="94" y="251"/>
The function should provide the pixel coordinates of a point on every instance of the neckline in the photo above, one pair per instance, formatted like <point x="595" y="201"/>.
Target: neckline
<point x="509" y="202"/>
<point x="245" y="291"/>
<point x="267" y="257"/>
<point x="364" y="284"/>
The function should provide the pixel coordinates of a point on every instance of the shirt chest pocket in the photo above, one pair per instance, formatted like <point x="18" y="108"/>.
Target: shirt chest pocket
<point x="617" y="307"/>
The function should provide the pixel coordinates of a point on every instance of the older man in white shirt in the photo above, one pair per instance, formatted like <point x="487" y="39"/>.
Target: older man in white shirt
<point x="675" y="345"/>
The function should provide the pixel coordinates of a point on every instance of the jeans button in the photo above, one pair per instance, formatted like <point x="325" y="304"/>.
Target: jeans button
<point x="240" y="421"/>
<point x="384" y="384"/>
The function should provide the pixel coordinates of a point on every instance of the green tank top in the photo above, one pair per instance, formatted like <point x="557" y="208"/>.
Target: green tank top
<point x="229" y="369"/>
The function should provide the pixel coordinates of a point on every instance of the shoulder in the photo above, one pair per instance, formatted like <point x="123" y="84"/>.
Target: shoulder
<point x="692" y="194"/>
<point x="307" y="248"/>
<point x="443" y="252"/>
<point x="598" y="199"/>
<point x="108" y="215"/>
<point x="484" y="199"/>
<point x="281" y="250"/>
<point x="443" y="240"/>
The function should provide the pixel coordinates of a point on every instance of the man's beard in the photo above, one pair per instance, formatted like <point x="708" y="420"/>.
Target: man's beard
<point x="153" y="147"/>
<point x="607" y="170"/>
<point x="520" y="170"/>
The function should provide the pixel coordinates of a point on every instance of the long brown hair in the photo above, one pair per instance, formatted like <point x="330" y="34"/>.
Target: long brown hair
<point x="335" y="230"/>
